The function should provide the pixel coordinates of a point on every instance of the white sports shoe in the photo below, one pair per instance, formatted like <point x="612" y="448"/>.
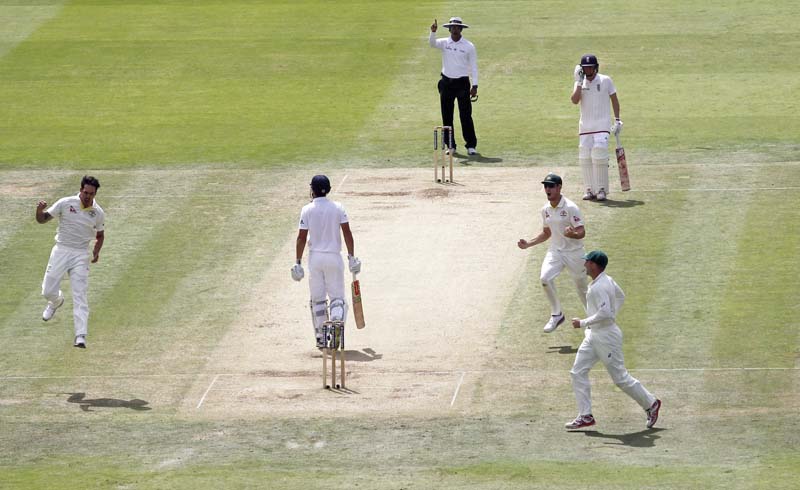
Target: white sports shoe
<point x="589" y="196"/>
<point x="48" y="312"/>
<point x="80" y="341"/>
<point x="601" y="195"/>
<point x="471" y="151"/>
<point x="554" y="322"/>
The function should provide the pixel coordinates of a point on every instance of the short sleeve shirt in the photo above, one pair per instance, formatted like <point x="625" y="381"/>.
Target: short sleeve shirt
<point x="558" y="218"/>
<point x="77" y="226"/>
<point x="323" y="219"/>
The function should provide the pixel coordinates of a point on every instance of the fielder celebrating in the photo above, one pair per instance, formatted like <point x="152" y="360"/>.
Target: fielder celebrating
<point x="459" y="61"/>
<point x="563" y="221"/>
<point x="81" y="219"/>
<point x="593" y="90"/>
<point x="603" y="342"/>
<point x="320" y="222"/>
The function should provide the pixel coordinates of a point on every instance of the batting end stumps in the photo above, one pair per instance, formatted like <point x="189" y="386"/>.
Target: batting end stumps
<point x="334" y="343"/>
<point x="442" y="143"/>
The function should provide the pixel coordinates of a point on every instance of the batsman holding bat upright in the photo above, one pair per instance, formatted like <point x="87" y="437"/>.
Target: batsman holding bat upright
<point x="322" y="224"/>
<point x="592" y="91"/>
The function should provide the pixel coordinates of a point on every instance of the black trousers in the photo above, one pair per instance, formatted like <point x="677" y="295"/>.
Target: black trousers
<point x="450" y="90"/>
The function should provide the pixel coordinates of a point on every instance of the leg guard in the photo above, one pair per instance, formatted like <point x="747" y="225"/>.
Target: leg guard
<point x="319" y="315"/>
<point x="338" y="310"/>
<point x="585" y="161"/>
<point x="600" y="167"/>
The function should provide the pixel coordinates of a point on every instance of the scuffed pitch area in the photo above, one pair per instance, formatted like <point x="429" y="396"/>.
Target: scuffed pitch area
<point x="440" y="262"/>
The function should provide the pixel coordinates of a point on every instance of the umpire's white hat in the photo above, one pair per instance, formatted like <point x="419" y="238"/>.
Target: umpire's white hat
<point x="456" y="21"/>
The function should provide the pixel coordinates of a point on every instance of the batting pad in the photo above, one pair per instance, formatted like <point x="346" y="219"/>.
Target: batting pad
<point x="338" y="310"/>
<point x="588" y="174"/>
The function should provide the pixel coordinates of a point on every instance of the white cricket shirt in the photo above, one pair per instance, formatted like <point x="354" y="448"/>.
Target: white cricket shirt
<point x="323" y="219"/>
<point x="604" y="299"/>
<point x="459" y="59"/>
<point x="558" y="218"/>
<point x="77" y="226"/>
<point x="596" y="105"/>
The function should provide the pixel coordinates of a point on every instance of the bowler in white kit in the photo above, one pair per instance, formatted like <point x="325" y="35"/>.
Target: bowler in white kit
<point x="562" y="224"/>
<point x="323" y="223"/>
<point x="80" y="220"/>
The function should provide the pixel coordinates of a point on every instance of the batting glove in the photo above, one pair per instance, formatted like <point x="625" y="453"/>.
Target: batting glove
<point x="579" y="75"/>
<point x="616" y="128"/>
<point x="297" y="272"/>
<point x="355" y="264"/>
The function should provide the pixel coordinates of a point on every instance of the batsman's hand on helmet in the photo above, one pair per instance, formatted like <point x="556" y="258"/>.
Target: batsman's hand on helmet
<point x="297" y="272"/>
<point x="616" y="128"/>
<point x="354" y="263"/>
<point x="579" y="75"/>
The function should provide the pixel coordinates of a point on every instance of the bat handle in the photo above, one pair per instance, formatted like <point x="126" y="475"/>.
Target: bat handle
<point x="618" y="143"/>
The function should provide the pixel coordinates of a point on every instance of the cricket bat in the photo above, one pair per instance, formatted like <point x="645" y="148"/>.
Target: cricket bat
<point x="622" y="163"/>
<point x="358" y="308"/>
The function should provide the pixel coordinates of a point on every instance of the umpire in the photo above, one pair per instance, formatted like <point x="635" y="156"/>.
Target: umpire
<point x="459" y="61"/>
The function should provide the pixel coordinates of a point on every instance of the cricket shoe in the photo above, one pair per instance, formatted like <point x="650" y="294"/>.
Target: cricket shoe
<point x="471" y="151"/>
<point x="80" y="342"/>
<point x="652" y="413"/>
<point x="554" y="322"/>
<point x="589" y="196"/>
<point x="48" y="312"/>
<point x="601" y="195"/>
<point x="580" y="422"/>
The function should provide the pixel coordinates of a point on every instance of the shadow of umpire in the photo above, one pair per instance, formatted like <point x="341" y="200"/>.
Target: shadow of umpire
<point x="87" y="404"/>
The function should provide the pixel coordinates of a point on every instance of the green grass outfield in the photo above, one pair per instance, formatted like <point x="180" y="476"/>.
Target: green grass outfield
<point x="204" y="121"/>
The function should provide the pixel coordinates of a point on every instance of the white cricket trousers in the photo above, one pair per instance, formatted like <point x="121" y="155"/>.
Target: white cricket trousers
<point x="604" y="344"/>
<point x="552" y="265"/>
<point x="75" y="262"/>
<point x="325" y="280"/>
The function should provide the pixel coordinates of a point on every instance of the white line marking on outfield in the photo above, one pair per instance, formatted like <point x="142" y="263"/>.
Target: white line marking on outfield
<point x="458" y="387"/>
<point x="443" y="373"/>
<point x="341" y="184"/>
<point x="207" y="390"/>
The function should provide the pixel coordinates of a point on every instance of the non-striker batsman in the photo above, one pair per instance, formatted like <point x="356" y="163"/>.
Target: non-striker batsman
<point x="323" y="223"/>
<point x="593" y="90"/>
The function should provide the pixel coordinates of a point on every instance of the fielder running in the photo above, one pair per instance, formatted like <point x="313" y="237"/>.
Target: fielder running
<point x="603" y="342"/>
<point x="80" y="220"/>
<point x="320" y="223"/>
<point x="563" y="222"/>
<point x="593" y="90"/>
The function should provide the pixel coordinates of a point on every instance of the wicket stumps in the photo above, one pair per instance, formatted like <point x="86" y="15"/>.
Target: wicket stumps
<point x="334" y="342"/>
<point x="440" y="151"/>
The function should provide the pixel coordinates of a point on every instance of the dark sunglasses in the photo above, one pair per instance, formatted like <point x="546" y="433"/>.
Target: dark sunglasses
<point x="548" y="185"/>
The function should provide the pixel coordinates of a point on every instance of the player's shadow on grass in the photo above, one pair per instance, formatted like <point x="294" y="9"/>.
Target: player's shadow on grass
<point x="367" y="355"/>
<point x="643" y="438"/>
<point x="86" y="404"/>
<point x="628" y="203"/>
<point x="468" y="160"/>
<point x="562" y="349"/>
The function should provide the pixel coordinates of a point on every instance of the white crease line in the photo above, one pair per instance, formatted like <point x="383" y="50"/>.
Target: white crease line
<point x="341" y="184"/>
<point x="458" y="387"/>
<point x="730" y="189"/>
<point x="207" y="390"/>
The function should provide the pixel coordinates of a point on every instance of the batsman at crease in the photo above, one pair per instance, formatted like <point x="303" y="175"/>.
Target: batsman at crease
<point x="323" y="223"/>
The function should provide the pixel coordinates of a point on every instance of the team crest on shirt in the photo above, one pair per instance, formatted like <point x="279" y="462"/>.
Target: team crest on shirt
<point x="575" y="219"/>
<point x="563" y="213"/>
<point x="72" y="210"/>
<point x="92" y="213"/>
